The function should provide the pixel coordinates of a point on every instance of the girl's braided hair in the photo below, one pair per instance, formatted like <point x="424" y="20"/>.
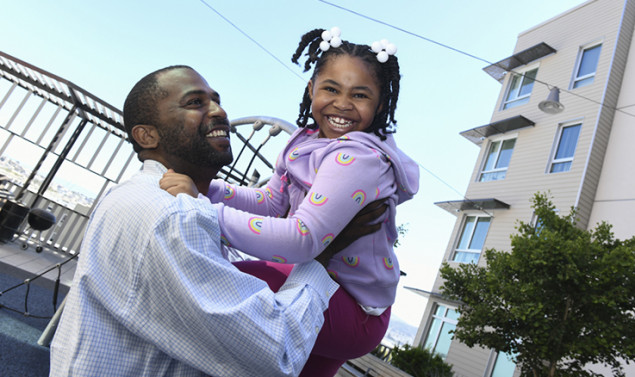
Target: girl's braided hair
<point x="387" y="75"/>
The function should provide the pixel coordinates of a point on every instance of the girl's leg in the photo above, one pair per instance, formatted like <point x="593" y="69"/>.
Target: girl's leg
<point x="348" y="333"/>
<point x="274" y="274"/>
<point x="320" y="366"/>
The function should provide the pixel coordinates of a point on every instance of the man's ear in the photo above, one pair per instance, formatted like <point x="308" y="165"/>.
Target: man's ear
<point x="146" y="136"/>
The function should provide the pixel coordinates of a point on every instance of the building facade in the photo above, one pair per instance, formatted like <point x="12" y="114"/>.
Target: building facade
<point x="580" y="153"/>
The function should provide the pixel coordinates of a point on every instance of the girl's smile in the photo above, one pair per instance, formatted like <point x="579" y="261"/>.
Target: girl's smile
<point x="345" y="96"/>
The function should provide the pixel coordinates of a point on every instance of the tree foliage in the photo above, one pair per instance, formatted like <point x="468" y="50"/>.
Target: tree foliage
<point x="402" y="229"/>
<point x="563" y="297"/>
<point x="420" y="362"/>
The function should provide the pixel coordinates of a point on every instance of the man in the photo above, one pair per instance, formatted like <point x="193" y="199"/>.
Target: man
<point x="153" y="294"/>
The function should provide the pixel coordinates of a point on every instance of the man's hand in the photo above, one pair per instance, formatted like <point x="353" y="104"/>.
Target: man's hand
<point x="176" y="183"/>
<point x="358" y="227"/>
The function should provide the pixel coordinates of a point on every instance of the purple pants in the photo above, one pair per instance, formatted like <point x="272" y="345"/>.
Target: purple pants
<point x="348" y="332"/>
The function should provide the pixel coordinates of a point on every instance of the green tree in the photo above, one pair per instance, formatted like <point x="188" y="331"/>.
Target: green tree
<point x="402" y="229"/>
<point x="563" y="297"/>
<point x="420" y="362"/>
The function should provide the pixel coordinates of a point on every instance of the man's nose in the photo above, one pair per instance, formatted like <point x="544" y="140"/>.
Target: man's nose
<point x="215" y="110"/>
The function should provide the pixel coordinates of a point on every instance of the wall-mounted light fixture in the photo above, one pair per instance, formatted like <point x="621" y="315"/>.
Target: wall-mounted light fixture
<point x="552" y="104"/>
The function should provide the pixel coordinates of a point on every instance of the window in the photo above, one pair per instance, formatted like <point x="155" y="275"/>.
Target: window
<point x="586" y="66"/>
<point x="538" y="222"/>
<point x="504" y="366"/>
<point x="497" y="160"/>
<point x="472" y="239"/>
<point x="439" y="337"/>
<point x="566" y="143"/>
<point x="519" y="90"/>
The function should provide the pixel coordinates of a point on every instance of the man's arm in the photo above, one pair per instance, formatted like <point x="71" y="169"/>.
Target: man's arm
<point x="364" y="223"/>
<point x="181" y="295"/>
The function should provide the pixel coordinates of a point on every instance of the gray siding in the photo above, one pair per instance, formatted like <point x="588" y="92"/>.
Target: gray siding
<point x="467" y="362"/>
<point x="611" y="23"/>
<point x="607" y="113"/>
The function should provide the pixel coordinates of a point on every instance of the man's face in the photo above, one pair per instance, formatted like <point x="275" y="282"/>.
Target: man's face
<point x="193" y="126"/>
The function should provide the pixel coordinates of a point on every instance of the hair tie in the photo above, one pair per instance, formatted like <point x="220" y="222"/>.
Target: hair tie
<point x="331" y="38"/>
<point x="383" y="49"/>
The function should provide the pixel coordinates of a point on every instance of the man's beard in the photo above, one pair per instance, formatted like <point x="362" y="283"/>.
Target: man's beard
<point x="194" y="149"/>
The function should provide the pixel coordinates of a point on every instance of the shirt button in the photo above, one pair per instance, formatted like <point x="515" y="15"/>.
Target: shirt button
<point x="317" y="329"/>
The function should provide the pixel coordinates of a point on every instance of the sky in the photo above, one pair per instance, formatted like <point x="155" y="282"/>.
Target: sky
<point x="243" y="49"/>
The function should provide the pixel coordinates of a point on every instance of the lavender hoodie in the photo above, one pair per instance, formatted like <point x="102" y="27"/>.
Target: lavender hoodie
<point x="318" y="186"/>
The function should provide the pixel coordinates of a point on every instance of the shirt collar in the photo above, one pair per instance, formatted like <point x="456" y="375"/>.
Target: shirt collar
<point x="152" y="166"/>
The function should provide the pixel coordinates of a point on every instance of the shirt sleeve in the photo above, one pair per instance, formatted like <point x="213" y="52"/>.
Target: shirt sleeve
<point x="347" y="179"/>
<point x="271" y="200"/>
<point x="201" y="310"/>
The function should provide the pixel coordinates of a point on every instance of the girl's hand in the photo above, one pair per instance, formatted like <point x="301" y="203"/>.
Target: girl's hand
<point x="176" y="183"/>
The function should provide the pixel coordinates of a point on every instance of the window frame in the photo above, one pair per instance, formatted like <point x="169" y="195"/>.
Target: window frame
<point x="584" y="80"/>
<point x="508" y="103"/>
<point x="495" y="170"/>
<point x="459" y="237"/>
<point x="556" y="147"/>
<point x="498" y="357"/>
<point x="444" y="319"/>
<point x="536" y="221"/>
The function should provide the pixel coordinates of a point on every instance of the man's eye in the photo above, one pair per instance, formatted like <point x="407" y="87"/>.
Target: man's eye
<point x="195" y="101"/>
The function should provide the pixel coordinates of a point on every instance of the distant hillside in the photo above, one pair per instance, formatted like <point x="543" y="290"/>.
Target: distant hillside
<point x="399" y="332"/>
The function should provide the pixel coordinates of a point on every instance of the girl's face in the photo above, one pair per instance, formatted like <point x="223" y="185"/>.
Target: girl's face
<point x="344" y="96"/>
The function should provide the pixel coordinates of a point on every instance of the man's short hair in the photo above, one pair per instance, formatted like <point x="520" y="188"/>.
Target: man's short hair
<point x="140" y="106"/>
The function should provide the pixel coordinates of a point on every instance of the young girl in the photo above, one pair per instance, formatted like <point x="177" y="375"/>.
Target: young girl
<point x="331" y="167"/>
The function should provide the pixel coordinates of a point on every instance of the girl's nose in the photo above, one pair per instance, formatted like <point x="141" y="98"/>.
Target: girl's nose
<point x="342" y="103"/>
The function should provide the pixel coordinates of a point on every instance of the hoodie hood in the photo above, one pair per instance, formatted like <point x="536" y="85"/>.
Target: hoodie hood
<point x="406" y="169"/>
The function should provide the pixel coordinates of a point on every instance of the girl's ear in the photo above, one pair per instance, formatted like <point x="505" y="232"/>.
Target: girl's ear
<point x="380" y="107"/>
<point x="146" y="136"/>
<point x="309" y="87"/>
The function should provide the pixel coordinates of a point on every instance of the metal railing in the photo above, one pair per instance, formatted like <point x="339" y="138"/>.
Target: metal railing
<point x="66" y="128"/>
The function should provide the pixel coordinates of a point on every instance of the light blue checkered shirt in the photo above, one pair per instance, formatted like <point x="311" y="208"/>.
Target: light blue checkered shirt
<point x="154" y="296"/>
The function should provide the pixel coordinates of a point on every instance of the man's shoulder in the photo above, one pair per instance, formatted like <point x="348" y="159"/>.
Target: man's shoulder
<point x="140" y="186"/>
<point x="138" y="196"/>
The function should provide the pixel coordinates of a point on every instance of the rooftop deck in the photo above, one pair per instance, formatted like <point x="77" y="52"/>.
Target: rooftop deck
<point x="19" y="333"/>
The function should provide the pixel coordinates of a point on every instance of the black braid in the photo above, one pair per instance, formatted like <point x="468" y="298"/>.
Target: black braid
<point x="308" y="39"/>
<point x="387" y="74"/>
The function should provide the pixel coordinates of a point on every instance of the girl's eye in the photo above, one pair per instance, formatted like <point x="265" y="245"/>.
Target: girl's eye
<point x="330" y="89"/>
<point x="360" y="95"/>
